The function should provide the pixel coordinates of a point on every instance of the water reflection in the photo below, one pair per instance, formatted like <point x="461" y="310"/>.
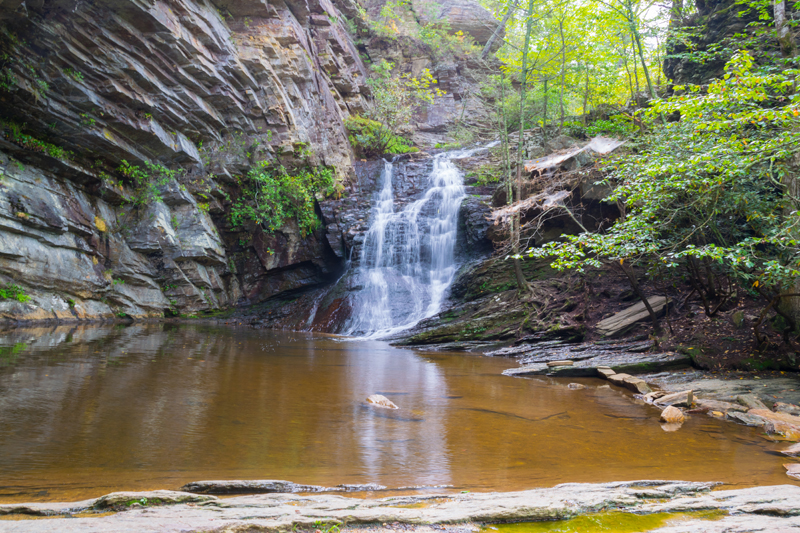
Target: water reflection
<point x="86" y="410"/>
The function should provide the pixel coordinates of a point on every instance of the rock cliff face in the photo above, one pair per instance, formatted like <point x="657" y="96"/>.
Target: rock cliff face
<point x="202" y="89"/>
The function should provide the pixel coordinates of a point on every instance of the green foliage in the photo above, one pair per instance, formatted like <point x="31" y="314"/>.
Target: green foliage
<point x="147" y="182"/>
<point x="615" y="126"/>
<point x="74" y="74"/>
<point x="370" y="138"/>
<point x="272" y="195"/>
<point x="395" y="96"/>
<point x="13" y="133"/>
<point x="444" y="44"/>
<point x="87" y="120"/>
<point x="711" y="194"/>
<point x="13" y="292"/>
<point x="485" y="175"/>
<point x="15" y="64"/>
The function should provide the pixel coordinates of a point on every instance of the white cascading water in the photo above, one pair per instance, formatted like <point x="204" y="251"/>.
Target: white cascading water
<point x="408" y="259"/>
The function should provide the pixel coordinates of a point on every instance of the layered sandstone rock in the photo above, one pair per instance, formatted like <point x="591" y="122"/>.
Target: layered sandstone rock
<point x="204" y="89"/>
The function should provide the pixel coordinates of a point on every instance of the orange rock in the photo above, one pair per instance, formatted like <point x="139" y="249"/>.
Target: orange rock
<point x="672" y="415"/>
<point x="780" y="417"/>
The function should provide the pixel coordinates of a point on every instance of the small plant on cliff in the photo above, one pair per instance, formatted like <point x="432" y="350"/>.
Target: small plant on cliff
<point x="272" y="195"/>
<point x="12" y="132"/>
<point x="74" y="74"/>
<point x="370" y="138"/>
<point x="395" y="97"/>
<point x="16" y="65"/>
<point x="147" y="181"/>
<point x="13" y="292"/>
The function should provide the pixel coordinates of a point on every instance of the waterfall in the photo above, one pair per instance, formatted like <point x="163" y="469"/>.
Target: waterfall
<point x="408" y="259"/>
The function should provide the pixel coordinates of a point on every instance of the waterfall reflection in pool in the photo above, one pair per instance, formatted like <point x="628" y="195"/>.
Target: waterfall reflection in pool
<point x="87" y="410"/>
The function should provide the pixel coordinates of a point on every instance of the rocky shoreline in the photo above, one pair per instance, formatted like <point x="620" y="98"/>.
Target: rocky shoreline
<point x="769" y="400"/>
<point x="772" y="508"/>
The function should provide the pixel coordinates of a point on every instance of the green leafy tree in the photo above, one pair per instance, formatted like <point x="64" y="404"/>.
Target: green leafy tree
<point x="711" y="197"/>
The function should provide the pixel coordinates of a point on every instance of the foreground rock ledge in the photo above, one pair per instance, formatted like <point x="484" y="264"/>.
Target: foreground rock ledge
<point x="773" y="508"/>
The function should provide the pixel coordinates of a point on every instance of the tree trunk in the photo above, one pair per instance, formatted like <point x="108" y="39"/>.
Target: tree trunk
<point x="563" y="73"/>
<point x="783" y="30"/>
<point x="631" y="275"/>
<point x="496" y="34"/>
<point x="515" y="236"/>
<point x="586" y="97"/>
<point x="635" y="67"/>
<point x="638" y="40"/>
<point x="628" y="71"/>
<point x="544" y="112"/>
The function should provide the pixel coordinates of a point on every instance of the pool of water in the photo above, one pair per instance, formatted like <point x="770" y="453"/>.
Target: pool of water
<point x="86" y="410"/>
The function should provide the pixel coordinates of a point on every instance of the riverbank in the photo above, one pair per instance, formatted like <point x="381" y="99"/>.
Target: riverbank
<point x="768" y="400"/>
<point x="773" y="508"/>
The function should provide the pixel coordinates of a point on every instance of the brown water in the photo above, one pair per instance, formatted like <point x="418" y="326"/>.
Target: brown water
<point x="88" y="410"/>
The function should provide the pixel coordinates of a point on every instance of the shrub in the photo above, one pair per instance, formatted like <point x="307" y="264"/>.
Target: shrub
<point x="616" y="126"/>
<point x="13" y="133"/>
<point x="271" y="196"/>
<point x="13" y="292"/>
<point x="370" y="138"/>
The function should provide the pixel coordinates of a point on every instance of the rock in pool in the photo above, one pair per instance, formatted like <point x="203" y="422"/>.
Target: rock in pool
<point x="381" y="401"/>
<point x="672" y="415"/>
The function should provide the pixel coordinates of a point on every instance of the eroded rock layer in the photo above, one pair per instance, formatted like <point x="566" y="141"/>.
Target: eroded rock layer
<point x="205" y="90"/>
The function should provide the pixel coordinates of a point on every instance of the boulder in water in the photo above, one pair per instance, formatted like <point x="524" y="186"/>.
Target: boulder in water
<point x="381" y="401"/>
<point x="672" y="415"/>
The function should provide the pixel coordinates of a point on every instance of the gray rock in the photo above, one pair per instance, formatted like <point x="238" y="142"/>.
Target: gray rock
<point x="775" y="508"/>
<point x="135" y="82"/>
<point x="619" y="362"/>
<point x="751" y="401"/>
<point x="787" y="408"/>
<point x="747" y="419"/>
<point x="605" y="372"/>
<point x="154" y="497"/>
<point x="718" y="405"/>
<point x="268" y="486"/>
<point x="678" y="399"/>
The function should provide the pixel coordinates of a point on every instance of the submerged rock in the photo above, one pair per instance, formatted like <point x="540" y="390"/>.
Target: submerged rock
<point x="381" y="401"/>
<point x="792" y="451"/>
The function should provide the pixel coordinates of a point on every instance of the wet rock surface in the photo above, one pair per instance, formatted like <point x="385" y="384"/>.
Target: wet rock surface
<point x="749" y="509"/>
<point x="589" y="359"/>
<point x="268" y="486"/>
<point x="203" y="90"/>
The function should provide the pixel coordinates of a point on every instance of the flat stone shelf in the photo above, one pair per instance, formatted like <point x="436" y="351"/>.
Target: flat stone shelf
<point x="628" y="363"/>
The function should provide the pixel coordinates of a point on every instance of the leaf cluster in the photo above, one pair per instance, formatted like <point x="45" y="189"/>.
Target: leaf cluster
<point x="713" y="188"/>
<point x="271" y="195"/>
